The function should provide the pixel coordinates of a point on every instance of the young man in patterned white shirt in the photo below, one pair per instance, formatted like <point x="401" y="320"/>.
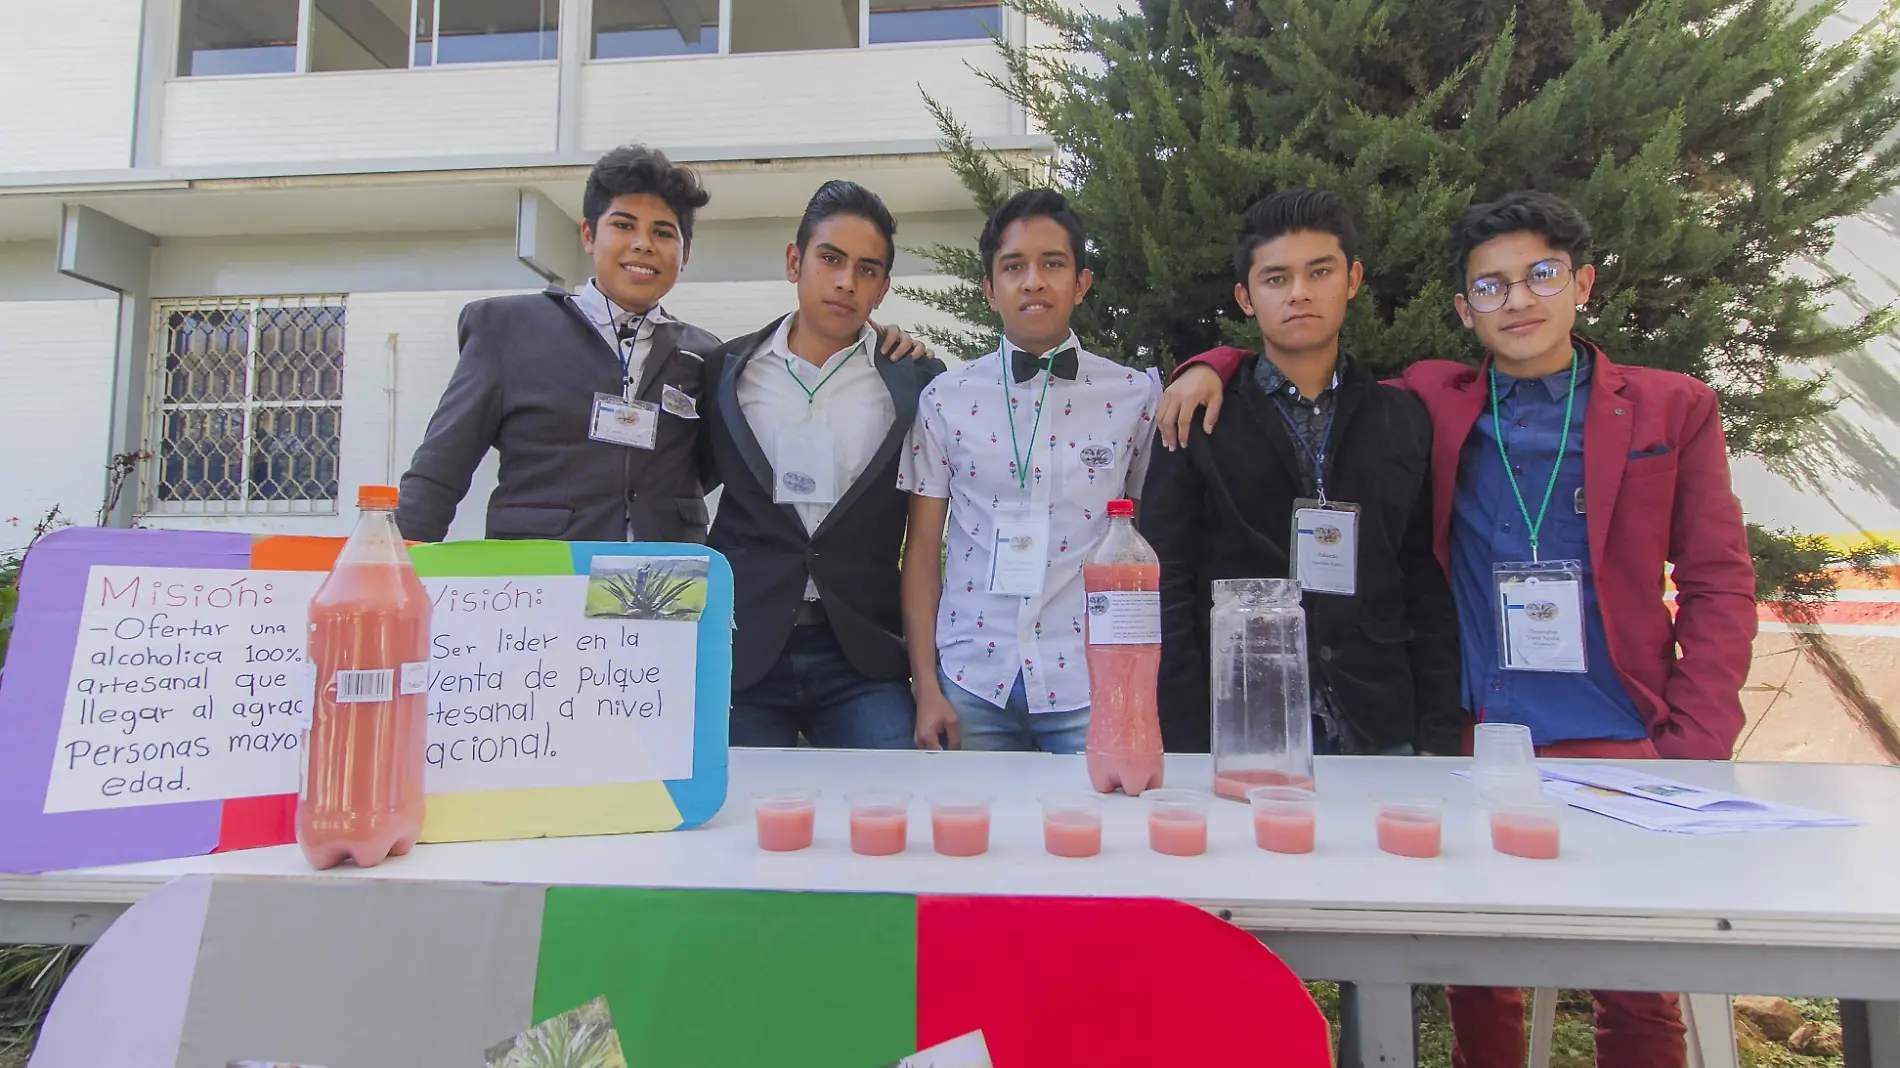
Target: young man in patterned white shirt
<point x="1020" y="451"/>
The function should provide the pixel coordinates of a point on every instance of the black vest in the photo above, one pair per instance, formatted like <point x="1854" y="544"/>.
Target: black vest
<point x="854" y="554"/>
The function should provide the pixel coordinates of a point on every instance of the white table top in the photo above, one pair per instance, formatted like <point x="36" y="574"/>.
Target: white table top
<point x="1810" y="887"/>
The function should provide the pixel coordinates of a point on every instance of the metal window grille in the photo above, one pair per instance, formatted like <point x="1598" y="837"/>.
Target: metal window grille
<point x="247" y="405"/>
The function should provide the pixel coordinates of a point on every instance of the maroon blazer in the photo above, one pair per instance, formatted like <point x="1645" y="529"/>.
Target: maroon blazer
<point x="1656" y="492"/>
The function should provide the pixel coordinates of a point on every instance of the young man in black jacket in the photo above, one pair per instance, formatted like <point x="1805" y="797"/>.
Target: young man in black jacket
<point x="806" y="425"/>
<point x="1319" y="440"/>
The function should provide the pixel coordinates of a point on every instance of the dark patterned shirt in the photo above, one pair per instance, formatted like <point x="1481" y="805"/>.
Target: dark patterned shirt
<point x="1307" y="418"/>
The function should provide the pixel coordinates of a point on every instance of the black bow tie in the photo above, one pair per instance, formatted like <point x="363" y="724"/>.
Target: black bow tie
<point x="629" y="328"/>
<point x="1062" y="364"/>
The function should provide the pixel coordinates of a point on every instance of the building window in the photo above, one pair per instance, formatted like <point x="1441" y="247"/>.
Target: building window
<point x="905" y="21"/>
<point x="237" y="37"/>
<point x="262" y="36"/>
<point x="486" y="31"/>
<point x="627" y="29"/>
<point x="793" y="25"/>
<point x="248" y="406"/>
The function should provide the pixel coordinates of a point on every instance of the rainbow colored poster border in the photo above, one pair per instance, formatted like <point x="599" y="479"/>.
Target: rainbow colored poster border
<point x="47" y="626"/>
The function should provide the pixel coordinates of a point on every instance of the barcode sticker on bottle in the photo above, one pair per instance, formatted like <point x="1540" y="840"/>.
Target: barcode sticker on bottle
<point x="415" y="678"/>
<point x="355" y="687"/>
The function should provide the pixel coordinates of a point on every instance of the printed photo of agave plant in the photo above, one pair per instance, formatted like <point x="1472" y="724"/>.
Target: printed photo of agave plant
<point x="669" y="589"/>
<point x="578" y="1038"/>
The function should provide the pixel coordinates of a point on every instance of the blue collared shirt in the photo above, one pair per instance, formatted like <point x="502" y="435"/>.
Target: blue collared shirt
<point x="1487" y="527"/>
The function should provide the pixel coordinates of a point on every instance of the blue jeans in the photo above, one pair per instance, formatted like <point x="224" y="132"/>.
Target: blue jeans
<point x="813" y="690"/>
<point x="1013" y="728"/>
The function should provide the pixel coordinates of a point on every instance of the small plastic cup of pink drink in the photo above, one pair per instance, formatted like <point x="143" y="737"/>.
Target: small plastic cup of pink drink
<point x="1531" y="828"/>
<point x="785" y="819"/>
<point x="1072" y="824"/>
<point x="1411" y="826"/>
<point x="880" y="822"/>
<point x="1177" y="822"/>
<point x="960" y="824"/>
<point x="1285" y="818"/>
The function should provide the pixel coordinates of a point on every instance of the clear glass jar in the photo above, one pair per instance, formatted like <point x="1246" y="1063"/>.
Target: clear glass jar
<point x="1260" y="696"/>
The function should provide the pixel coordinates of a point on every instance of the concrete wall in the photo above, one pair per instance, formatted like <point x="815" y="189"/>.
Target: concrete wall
<point x="69" y="80"/>
<point x="360" y="114"/>
<point x="793" y="97"/>
<point x="56" y="377"/>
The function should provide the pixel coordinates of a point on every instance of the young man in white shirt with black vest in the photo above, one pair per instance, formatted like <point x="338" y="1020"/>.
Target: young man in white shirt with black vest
<point x="806" y="426"/>
<point x="1021" y="450"/>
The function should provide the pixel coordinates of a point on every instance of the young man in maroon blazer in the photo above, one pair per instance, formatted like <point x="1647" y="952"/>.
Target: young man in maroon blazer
<point x="1564" y="484"/>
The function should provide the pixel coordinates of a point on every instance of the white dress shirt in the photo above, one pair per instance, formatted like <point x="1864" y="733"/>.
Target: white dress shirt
<point x="852" y="402"/>
<point x="609" y="317"/>
<point x="960" y="448"/>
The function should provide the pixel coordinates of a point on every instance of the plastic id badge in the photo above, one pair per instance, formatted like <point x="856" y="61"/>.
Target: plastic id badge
<point x="619" y="421"/>
<point x="1540" y="615"/>
<point x="1324" y="556"/>
<point x="805" y="466"/>
<point x="1020" y="556"/>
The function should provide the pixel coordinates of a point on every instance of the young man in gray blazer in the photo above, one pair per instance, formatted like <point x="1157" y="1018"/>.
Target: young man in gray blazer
<point x="593" y="399"/>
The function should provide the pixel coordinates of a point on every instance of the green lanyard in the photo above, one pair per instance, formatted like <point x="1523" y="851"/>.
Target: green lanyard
<point x="811" y="395"/>
<point x="1563" y="443"/>
<point x="1022" y="463"/>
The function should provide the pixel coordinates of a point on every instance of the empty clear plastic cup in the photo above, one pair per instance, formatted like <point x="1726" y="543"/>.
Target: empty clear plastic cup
<point x="1532" y="829"/>
<point x="1177" y="821"/>
<point x="1502" y="745"/>
<point x="960" y="824"/>
<point x="785" y="819"/>
<point x="880" y="822"/>
<point x="1072" y="824"/>
<point x="1411" y="826"/>
<point x="1285" y="818"/>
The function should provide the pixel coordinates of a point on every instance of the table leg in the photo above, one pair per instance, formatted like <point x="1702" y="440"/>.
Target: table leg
<point x="1377" y="1029"/>
<point x="1870" y="1034"/>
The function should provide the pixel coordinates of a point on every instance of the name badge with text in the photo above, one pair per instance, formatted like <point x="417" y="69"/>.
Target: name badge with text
<point x="1325" y="556"/>
<point x="619" y="421"/>
<point x="1021" y="553"/>
<point x="1540" y="615"/>
<point x="804" y="465"/>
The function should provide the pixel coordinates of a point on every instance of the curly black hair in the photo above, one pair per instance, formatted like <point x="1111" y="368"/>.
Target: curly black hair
<point x="634" y="169"/>
<point x="1550" y="217"/>
<point x="1291" y="211"/>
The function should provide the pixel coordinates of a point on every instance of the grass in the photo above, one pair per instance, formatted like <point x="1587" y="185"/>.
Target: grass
<point x="1573" y="1042"/>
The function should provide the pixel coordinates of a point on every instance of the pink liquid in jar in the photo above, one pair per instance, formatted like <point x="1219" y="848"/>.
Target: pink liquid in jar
<point x="1409" y="834"/>
<point x="879" y="831"/>
<point x="785" y="828"/>
<point x="1285" y="832"/>
<point x="1072" y="834"/>
<point x="1177" y="833"/>
<point x="1234" y="784"/>
<point x="960" y="831"/>
<point x="1524" y="835"/>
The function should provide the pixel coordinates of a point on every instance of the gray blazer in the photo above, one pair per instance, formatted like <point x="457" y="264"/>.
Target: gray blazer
<point x="525" y="385"/>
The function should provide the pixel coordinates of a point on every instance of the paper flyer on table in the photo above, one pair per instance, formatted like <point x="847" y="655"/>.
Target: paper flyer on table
<point x="1587" y="787"/>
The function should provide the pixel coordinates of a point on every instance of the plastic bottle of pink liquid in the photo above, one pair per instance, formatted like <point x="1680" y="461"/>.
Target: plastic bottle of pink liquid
<point x="1122" y="584"/>
<point x="361" y="797"/>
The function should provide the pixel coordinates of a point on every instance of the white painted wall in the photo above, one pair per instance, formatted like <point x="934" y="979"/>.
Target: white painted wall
<point x="789" y="98"/>
<point x="383" y="114"/>
<point x="423" y="327"/>
<point x="69" y="83"/>
<point x="56" y="378"/>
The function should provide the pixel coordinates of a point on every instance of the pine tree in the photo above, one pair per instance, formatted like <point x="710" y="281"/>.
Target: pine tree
<point x="1713" y="144"/>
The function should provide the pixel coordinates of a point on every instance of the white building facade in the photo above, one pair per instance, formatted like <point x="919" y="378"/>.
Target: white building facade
<point x="237" y="233"/>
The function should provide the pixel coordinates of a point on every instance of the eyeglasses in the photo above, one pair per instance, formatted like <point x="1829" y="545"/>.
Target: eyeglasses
<point x="1546" y="278"/>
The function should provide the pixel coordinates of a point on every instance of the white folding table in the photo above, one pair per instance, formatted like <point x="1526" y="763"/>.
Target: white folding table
<point x="1806" y="912"/>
